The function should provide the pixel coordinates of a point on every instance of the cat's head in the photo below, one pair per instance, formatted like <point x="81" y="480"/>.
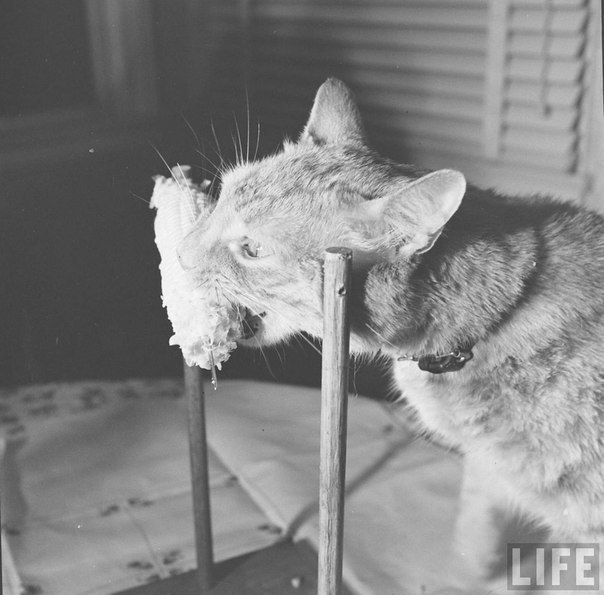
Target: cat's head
<point x="265" y="239"/>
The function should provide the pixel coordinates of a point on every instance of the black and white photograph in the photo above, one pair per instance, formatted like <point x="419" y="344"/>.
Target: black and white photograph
<point x="301" y="297"/>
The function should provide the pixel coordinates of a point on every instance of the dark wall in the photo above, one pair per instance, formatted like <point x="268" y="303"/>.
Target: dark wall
<point x="44" y="56"/>
<point x="79" y="278"/>
<point x="78" y="268"/>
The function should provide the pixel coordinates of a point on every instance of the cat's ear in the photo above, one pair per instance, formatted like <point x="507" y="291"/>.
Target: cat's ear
<point x="334" y="117"/>
<point x="411" y="217"/>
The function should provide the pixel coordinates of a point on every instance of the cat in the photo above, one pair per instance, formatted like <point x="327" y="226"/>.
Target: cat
<point x="490" y="307"/>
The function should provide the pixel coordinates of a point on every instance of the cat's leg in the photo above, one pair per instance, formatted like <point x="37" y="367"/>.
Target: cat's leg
<point x="477" y="534"/>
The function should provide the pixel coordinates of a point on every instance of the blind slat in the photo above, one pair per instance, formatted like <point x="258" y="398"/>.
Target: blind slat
<point x="445" y="107"/>
<point x="450" y="4"/>
<point x="550" y="143"/>
<point x="360" y="56"/>
<point x="411" y="104"/>
<point x="419" y="141"/>
<point x="531" y="44"/>
<point x="552" y="3"/>
<point x="397" y="37"/>
<point x="428" y="17"/>
<point x="527" y="69"/>
<point x="428" y="127"/>
<point x="537" y="119"/>
<point x="538" y="159"/>
<point x="421" y="127"/>
<point x="379" y="81"/>
<point x="561" y="21"/>
<point x="535" y="93"/>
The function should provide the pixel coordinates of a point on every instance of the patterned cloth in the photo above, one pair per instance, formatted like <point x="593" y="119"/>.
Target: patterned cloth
<point x="96" y="494"/>
<point x="96" y="489"/>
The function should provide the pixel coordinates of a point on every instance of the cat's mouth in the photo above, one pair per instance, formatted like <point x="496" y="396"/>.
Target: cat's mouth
<point x="251" y="324"/>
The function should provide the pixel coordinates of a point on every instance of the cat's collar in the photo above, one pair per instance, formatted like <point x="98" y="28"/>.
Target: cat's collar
<point x="440" y="363"/>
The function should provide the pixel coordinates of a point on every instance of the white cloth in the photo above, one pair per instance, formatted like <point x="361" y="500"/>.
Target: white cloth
<point x="96" y="488"/>
<point x="402" y="492"/>
<point x="96" y="494"/>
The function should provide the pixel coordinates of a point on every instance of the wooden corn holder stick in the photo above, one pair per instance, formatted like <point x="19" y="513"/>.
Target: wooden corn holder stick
<point x="198" y="453"/>
<point x="334" y="405"/>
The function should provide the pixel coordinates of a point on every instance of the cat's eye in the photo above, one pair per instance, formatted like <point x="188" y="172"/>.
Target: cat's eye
<point x="252" y="249"/>
<point x="248" y="249"/>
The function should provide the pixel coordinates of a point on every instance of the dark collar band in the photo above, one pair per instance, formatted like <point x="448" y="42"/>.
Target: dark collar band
<point x="439" y="364"/>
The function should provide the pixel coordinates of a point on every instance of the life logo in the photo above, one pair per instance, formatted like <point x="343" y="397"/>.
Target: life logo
<point x="551" y="566"/>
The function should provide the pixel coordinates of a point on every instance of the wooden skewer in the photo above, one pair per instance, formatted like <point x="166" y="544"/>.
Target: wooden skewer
<point x="1" y="568"/>
<point x="198" y="454"/>
<point x="334" y="405"/>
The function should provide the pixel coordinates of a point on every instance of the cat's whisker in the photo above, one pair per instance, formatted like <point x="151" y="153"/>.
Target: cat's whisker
<point x="280" y="355"/>
<point x="201" y="283"/>
<point x="257" y="142"/>
<point x="191" y="129"/>
<point x="258" y="308"/>
<point x="167" y="166"/>
<point x="160" y="156"/>
<point x="262" y="352"/>
<point x="139" y="197"/>
<point x="240" y="139"/>
<point x="250" y="300"/>
<point x="182" y="187"/>
<point x="237" y="142"/>
<point x="298" y="339"/>
<point x="310" y="343"/>
<point x="238" y="159"/>
<point x="223" y="163"/>
<point x="379" y="336"/>
<point x="216" y="178"/>
<point x="205" y="171"/>
<point x="212" y="163"/>
<point x="247" y="144"/>
<point x="175" y="178"/>
<point x="201" y="150"/>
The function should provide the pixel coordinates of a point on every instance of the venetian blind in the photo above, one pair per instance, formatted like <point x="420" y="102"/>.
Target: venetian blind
<point x="416" y="66"/>
<point x="542" y="84"/>
<point x="496" y="88"/>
